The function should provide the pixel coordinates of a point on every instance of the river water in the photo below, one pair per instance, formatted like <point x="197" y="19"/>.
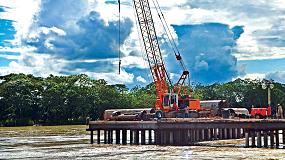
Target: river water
<point x="72" y="142"/>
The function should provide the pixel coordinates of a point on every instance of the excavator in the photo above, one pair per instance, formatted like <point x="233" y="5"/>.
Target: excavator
<point x="172" y="100"/>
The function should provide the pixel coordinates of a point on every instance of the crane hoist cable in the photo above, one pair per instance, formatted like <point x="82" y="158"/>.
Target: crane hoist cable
<point x="170" y="36"/>
<point x="119" y="41"/>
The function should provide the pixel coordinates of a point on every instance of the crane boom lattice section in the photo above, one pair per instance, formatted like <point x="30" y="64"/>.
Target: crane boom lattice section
<point x="153" y="52"/>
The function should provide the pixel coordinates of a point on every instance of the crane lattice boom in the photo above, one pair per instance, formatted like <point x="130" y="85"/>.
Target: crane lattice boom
<point x="153" y="52"/>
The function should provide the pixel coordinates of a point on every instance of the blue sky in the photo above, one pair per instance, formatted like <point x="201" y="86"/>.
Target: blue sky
<point x="219" y="40"/>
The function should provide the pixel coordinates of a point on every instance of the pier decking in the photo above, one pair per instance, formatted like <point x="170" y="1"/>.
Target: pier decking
<point x="257" y="133"/>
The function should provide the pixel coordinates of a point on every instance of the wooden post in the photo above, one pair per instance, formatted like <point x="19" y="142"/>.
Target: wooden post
<point x="225" y="133"/>
<point x="265" y="138"/>
<point x="118" y="137"/>
<point x="253" y="138"/>
<point x="171" y="139"/>
<point x="271" y="139"/>
<point x="201" y="135"/>
<point x="206" y="135"/>
<point x="283" y="137"/>
<point x="192" y="136"/>
<point x="105" y="137"/>
<point x="98" y="136"/>
<point x="149" y="137"/>
<point x="215" y="134"/>
<point x="258" y="139"/>
<point x="110" y="137"/>
<point x="238" y="133"/>
<point x="246" y="139"/>
<point x="189" y="135"/>
<point x="230" y="133"/>
<point x="167" y="136"/>
<point x="157" y="135"/>
<point x="182" y="138"/>
<point x="211" y="134"/>
<point x="196" y="135"/>
<point x="143" y="137"/>
<point x="176" y="137"/>
<point x="242" y="133"/>
<point x="235" y="130"/>
<point x="277" y="138"/>
<point x="91" y="137"/>
<point x="136" y="137"/>
<point x="131" y="137"/>
<point x="220" y="133"/>
<point x="124" y="137"/>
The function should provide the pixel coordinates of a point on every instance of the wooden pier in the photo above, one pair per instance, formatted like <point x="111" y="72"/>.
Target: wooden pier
<point x="183" y="132"/>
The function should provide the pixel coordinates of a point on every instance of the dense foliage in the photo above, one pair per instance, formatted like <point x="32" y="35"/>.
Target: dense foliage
<point x="28" y="100"/>
<point x="243" y="93"/>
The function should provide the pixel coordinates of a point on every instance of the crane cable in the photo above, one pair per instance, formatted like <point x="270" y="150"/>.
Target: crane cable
<point x="169" y="36"/>
<point x="119" y="42"/>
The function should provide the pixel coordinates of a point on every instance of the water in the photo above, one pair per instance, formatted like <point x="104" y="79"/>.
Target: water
<point x="72" y="142"/>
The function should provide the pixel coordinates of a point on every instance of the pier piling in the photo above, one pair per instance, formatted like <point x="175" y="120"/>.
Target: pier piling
<point x="257" y="133"/>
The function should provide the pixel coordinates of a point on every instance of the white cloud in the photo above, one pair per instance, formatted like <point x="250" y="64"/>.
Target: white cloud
<point x="253" y="76"/>
<point x="141" y="79"/>
<point x="278" y="76"/>
<point x="255" y="16"/>
<point x="114" y="78"/>
<point x="22" y="13"/>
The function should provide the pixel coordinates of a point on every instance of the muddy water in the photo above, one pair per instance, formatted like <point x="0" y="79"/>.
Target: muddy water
<point x="72" y="142"/>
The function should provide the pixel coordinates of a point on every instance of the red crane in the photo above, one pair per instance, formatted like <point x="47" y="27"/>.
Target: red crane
<point x="167" y="99"/>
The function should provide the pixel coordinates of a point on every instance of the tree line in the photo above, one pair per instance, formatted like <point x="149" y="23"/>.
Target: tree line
<point x="29" y="100"/>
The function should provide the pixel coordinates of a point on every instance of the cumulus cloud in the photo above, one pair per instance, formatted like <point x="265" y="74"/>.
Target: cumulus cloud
<point x="74" y="38"/>
<point x="207" y="50"/>
<point x="262" y="20"/>
<point x="63" y="32"/>
<point x="278" y="76"/>
<point x="141" y="79"/>
<point x="252" y="76"/>
<point x="81" y="36"/>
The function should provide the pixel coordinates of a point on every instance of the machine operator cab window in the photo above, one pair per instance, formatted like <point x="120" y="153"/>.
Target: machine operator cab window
<point x="170" y="100"/>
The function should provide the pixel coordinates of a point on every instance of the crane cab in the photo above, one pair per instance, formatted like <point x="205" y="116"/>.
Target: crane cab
<point x="173" y="101"/>
<point x="170" y="102"/>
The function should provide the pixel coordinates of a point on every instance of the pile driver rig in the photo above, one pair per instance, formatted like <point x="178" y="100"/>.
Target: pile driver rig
<point x="172" y="101"/>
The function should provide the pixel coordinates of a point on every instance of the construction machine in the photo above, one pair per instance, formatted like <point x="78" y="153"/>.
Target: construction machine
<point x="171" y="100"/>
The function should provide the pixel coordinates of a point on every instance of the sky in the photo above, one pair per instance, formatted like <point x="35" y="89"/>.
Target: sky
<point x="219" y="40"/>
